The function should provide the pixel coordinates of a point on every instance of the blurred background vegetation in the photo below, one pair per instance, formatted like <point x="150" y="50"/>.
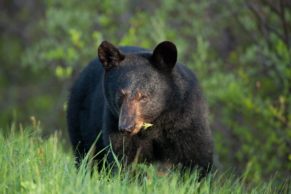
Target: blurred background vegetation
<point x="239" y="49"/>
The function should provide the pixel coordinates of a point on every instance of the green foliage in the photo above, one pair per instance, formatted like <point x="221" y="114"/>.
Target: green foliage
<point x="30" y="164"/>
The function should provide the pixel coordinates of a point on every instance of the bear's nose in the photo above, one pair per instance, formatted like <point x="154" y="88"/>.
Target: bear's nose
<point x="126" y="127"/>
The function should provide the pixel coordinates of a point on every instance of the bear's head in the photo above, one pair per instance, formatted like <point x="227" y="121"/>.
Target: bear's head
<point x="137" y="86"/>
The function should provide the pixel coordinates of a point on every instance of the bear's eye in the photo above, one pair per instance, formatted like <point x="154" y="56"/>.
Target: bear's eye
<point x="122" y="92"/>
<point x="143" y="98"/>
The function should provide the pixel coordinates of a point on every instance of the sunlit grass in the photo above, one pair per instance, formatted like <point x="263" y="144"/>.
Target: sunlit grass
<point x="30" y="164"/>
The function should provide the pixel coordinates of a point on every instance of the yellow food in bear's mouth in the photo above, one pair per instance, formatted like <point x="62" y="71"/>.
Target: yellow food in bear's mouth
<point x="146" y="125"/>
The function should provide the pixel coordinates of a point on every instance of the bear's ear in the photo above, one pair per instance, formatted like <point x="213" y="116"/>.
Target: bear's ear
<point x="165" y="56"/>
<point x="109" y="55"/>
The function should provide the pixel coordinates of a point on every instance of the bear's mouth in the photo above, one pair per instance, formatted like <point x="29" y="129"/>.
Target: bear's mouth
<point x="137" y="129"/>
<point x="138" y="126"/>
<point x="141" y="127"/>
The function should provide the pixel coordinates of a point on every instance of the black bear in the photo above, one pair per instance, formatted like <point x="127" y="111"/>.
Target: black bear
<point x="126" y="90"/>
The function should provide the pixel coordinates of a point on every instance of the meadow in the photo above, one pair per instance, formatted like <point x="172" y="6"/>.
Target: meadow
<point x="30" y="164"/>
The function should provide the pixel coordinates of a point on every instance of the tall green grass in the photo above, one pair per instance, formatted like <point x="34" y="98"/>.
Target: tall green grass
<point x="30" y="164"/>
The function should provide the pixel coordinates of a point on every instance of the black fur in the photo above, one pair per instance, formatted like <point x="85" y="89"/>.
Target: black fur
<point x="180" y="132"/>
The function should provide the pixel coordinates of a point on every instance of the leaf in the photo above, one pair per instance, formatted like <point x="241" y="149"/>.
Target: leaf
<point x="146" y="125"/>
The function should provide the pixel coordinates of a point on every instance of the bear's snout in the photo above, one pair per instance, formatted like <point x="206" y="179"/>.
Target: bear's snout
<point x="130" y="118"/>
